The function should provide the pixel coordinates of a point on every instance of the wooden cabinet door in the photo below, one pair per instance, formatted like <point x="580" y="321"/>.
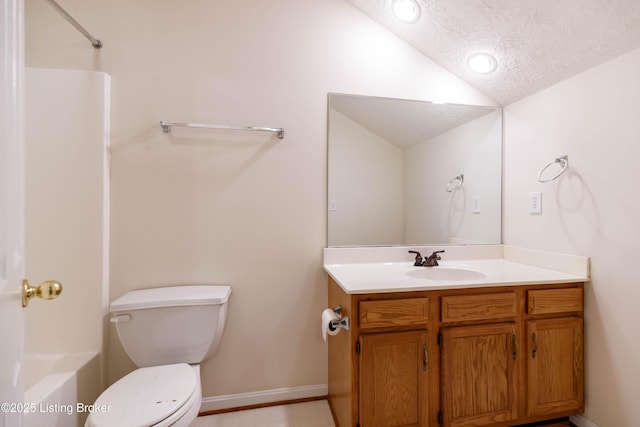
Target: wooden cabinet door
<point x="555" y="366"/>
<point x="393" y="379"/>
<point x="480" y="366"/>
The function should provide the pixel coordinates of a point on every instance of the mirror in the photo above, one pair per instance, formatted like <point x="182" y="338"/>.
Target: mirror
<point x="405" y="172"/>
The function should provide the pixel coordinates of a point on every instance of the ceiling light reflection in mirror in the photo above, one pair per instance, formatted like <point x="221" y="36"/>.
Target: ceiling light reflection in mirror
<point x="389" y="164"/>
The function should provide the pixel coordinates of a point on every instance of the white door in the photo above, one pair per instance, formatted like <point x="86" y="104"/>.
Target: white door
<point x="11" y="211"/>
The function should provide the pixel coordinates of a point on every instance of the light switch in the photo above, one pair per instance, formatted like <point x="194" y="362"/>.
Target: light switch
<point x="333" y="206"/>
<point x="475" y="201"/>
<point x="535" y="202"/>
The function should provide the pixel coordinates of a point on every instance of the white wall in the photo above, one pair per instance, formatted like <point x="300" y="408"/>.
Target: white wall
<point x="593" y="209"/>
<point x="366" y="181"/>
<point x="251" y="211"/>
<point x="471" y="150"/>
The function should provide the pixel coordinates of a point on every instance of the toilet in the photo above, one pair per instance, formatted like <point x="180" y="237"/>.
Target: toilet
<point x="167" y="332"/>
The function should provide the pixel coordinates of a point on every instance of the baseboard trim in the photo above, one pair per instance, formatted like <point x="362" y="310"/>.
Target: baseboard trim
<point x="262" y="398"/>
<point x="581" y="421"/>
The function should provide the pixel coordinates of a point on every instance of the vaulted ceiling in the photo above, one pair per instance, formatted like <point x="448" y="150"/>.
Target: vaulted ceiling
<point x="405" y="122"/>
<point x="536" y="43"/>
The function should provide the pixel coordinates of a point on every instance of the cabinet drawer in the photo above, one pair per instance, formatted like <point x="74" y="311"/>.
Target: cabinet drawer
<point x="464" y="308"/>
<point x="395" y="312"/>
<point x="547" y="301"/>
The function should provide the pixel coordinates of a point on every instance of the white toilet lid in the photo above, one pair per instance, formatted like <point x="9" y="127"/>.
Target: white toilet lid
<point x="145" y="397"/>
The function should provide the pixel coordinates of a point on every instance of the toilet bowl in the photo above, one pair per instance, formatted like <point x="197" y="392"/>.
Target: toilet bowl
<point x="167" y="395"/>
<point x="167" y="332"/>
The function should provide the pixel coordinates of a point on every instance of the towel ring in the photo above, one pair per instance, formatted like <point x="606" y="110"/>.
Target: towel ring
<point x="565" y="162"/>
<point x="452" y="185"/>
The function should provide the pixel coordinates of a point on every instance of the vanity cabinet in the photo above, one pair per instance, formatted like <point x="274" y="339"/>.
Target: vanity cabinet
<point x="501" y="357"/>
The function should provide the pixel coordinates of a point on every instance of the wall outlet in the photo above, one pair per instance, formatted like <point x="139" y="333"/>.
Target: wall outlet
<point x="535" y="202"/>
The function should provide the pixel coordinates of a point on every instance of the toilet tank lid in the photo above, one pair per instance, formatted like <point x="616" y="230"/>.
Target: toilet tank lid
<point x="172" y="296"/>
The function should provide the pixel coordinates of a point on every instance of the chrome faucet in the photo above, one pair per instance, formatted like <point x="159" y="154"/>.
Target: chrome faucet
<point x="430" y="261"/>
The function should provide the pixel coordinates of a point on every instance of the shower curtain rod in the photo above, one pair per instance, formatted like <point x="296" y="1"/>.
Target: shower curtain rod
<point x="94" y="41"/>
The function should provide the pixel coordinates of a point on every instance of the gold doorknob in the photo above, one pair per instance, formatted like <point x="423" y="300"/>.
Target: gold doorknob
<point x="45" y="290"/>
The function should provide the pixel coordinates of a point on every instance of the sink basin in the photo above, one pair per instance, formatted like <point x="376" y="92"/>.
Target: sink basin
<point x="445" y="273"/>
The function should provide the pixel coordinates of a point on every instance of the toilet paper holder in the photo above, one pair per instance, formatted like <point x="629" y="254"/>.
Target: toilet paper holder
<point x="341" y="322"/>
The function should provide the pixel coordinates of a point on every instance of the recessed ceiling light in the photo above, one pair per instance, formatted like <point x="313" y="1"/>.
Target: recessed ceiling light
<point x="406" y="10"/>
<point x="482" y="63"/>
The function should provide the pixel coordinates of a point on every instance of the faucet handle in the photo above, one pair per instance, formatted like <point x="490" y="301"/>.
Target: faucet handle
<point x="432" y="260"/>
<point x="435" y="254"/>
<point x="418" y="262"/>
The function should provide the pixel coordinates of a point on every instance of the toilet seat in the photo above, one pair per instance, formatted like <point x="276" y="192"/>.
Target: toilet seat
<point x="155" y="396"/>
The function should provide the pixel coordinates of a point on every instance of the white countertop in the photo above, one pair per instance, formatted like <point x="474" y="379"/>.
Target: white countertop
<point x="493" y="267"/>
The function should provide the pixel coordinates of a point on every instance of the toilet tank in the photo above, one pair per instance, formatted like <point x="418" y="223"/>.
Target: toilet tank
<point x="175" y="324"/>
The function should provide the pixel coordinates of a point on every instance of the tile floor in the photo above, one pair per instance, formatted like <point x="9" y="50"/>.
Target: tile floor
<point x="308" y="414"/>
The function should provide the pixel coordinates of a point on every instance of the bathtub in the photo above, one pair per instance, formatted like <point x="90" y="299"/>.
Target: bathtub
<point x="55" y="384"/>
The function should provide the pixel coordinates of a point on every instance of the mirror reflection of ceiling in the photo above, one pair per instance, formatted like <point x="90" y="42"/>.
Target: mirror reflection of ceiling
<point x="537" y="43"/>
<point x="402" y="122"/>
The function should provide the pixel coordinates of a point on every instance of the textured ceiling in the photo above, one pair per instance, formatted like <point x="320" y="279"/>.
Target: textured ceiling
<point x="537" y="43"/>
